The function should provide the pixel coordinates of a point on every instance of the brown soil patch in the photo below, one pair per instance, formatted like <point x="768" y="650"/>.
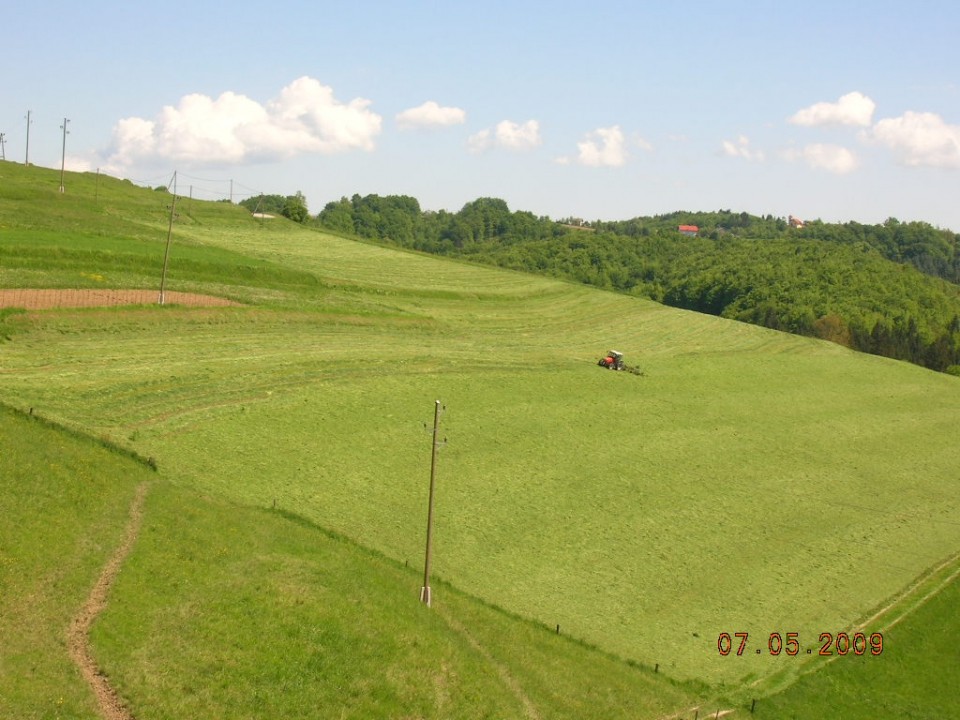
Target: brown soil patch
<point x="38" y="299"/>
<point x="78" y="636"/>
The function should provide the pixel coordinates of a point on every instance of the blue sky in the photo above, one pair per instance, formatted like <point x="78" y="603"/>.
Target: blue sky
<point x="837" y="110"/>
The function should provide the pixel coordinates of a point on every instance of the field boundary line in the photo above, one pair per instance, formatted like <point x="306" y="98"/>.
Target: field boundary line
<point x="111" y="705"/>
<point x="716" y="714"/>
<point x="80" y="434"/>
<point x="529" y="709"/>
<point x="924" y="580"/>
<point x="913" y="588"/>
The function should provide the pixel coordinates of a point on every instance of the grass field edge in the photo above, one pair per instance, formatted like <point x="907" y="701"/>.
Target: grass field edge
<point x="32" y="415"/>
<point x="438" y="582"/>
<point x="880" y="619"/>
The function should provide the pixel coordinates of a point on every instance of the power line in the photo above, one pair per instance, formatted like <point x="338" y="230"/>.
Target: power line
<point x="200" y="179"/>
<point x="252" y="190"/>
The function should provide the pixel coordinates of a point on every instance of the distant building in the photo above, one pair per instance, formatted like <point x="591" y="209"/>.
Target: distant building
<point x="795" y="222"/>
<point x="688" y="230"/>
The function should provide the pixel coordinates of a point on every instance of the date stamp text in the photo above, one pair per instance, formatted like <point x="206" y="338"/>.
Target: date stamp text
<point x="828" y="644"/>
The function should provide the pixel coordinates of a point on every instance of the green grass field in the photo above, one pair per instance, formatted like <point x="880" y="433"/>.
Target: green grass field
<point x="225" y="611"/>
<point x="64" y="502"/>
<point x="750" y="481"/>
<point x="914" y="678"/>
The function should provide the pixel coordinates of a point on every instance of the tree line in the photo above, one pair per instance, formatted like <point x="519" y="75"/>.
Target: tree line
<point x="890" y="289"/>
<point x="293" y="207"/>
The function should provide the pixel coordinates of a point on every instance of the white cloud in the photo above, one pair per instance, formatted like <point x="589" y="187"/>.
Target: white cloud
<point x="642" y="143"/>
<point x="75" y="163"/>
<point x="741" y="148"/>
<point x="132" y="138"/>
<point x="305" y="118"/>
<point x="480" y="141"/>
<point x="507" y="134"/>
<point x="604" y="147"/>
<point x="852" y="109"/>
<point x="920" y="139"/>
<point x="430" y="114"/>
<point x="832" y="158"/>
<point x="518" y="137"/>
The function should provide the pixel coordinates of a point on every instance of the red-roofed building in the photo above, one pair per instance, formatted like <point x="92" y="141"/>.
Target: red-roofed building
<point x="688" y="230"/>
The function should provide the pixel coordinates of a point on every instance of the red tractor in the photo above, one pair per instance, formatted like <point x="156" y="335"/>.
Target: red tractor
<point x="613" y="361"/>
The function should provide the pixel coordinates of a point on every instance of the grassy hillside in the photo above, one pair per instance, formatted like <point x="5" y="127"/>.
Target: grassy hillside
<point x="750" y="481"/>
<point x="64" y="502"/>
<point x="232" y="612"/>
<point x="226" y="612"/>
<point x="842" y="283"/>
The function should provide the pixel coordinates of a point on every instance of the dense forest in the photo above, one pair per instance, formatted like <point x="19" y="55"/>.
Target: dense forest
<point x="888" y="289"/>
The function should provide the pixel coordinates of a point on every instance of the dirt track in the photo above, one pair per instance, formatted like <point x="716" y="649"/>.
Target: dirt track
<point x="78" y="636"/>
<point x="35" y="299"/>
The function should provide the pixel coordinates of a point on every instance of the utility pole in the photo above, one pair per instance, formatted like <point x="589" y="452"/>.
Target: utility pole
<point x="425" y="590"/>
<point x="231" y="192"/>
<point x="166" y="253"/>
<point x="26" y="160"/>
<point x="63" y="157"/>
<point x="3" y="146"/>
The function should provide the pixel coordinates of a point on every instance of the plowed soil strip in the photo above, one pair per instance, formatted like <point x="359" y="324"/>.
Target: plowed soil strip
<point x="78" y="637"/>
<point x="45" y="299"/>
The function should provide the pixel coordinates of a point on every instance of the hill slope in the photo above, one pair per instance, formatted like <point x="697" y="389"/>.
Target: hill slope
<point x="861" y="286"/>
<point x="223" y="611"/>
<point x="751" y="481"/>
<point x="65" y="500"/>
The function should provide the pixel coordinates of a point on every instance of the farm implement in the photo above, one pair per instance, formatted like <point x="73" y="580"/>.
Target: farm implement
<point x="613" y="360"/>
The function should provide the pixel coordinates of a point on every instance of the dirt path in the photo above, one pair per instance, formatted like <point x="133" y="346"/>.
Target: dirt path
<point x="902" y="598"/>
<point x="898" y="602"/>
<point x="44" y="299"/>
<point x="529" y="709"/>
<point x="694" y="712"/>
<point x="78" y="636"/>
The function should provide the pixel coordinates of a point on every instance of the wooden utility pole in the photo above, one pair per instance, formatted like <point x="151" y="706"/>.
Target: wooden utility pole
<point x="166" y="252"/>
<point x="26" y="160"/>
<point x="425" y="590"/>
<point x="63" y="156"/>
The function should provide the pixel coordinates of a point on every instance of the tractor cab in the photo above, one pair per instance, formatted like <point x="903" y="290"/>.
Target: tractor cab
<point x="613" y="360"/>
